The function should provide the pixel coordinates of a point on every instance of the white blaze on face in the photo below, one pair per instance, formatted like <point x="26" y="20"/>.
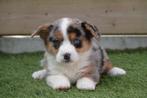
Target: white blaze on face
<point x="65" y="22"/>
<point x="66" y="46"/>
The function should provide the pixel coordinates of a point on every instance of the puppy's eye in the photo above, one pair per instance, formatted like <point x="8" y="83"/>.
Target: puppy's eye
<point x="77" y="43"/>
<point x="56" y="43"/>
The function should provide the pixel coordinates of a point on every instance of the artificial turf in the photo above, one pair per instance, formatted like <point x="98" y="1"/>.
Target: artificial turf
<point x="16" y="80"/>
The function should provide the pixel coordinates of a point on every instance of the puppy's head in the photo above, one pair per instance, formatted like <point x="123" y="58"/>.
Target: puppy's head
<point x="67" y="38"/>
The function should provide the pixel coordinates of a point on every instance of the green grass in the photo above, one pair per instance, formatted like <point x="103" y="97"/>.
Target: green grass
<point x="16" y="80"/>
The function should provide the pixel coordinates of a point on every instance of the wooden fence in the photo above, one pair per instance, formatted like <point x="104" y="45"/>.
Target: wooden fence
<point x="110" y="16"/>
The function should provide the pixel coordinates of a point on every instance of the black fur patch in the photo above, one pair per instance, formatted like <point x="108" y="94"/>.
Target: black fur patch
<point x="87" y="32"/>
<point x="75" y="30"/>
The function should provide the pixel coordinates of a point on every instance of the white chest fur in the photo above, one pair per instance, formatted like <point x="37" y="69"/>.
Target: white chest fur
<point x="71" y="70"/>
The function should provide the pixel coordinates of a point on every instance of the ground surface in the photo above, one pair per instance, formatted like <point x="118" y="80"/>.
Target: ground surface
<point x="16" y="80"/>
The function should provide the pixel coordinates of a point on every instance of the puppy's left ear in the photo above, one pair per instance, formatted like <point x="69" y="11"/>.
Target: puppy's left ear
<point x="42" y="30"/>
<point x="90" y="30"/>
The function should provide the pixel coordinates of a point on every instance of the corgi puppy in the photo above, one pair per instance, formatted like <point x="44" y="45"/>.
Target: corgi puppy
<point x="73" y="55"/>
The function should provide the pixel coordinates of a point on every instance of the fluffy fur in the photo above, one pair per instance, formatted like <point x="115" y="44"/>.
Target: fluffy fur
<point x="73" y="55"/>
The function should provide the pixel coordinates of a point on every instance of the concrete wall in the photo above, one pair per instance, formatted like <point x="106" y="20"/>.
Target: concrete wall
<point x="111" y="16"/>
<point x="20" y="44"/>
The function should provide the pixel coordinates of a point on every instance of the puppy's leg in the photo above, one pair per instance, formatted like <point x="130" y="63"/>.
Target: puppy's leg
<point x="86" y="83"/>
<point x="59" y="82"/>
<point x="39" y="74"/>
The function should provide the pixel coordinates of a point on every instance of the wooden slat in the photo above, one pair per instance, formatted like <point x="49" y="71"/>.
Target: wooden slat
<point x="110" y="16"/>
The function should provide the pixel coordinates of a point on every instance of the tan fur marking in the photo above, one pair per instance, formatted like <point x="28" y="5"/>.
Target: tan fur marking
<point x="85" y="46"/>
<point x="58" y="36"/>
<point x="88" y="70"/>
<point x="72" y="35"/>
<point x="107" y="65"/>
<point x="51" y="49"/>
<point x="43" y="31"/>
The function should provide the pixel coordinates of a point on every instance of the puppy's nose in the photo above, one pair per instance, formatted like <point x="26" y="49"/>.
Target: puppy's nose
<point x="67" y="57"/>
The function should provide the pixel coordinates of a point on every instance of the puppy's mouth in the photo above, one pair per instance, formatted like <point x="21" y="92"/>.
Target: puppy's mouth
<point x="67" y="61"/>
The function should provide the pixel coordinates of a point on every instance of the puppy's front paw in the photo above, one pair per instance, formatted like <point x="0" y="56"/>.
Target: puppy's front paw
<point x="58" y="82"/>
<point x="39" y="74"/>
<point x="86" y="84"/>
<point x="62" y="86"/>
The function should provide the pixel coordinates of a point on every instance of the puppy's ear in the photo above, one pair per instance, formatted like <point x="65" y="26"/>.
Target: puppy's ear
<point x="90" y="30"/>
<point x="43" y="31"/>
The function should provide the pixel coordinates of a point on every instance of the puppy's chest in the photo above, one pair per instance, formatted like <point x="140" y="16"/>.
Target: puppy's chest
<point x="71" y="70"/>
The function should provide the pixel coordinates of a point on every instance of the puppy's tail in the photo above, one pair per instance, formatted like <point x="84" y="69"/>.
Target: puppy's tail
<point x="115" y="71"/>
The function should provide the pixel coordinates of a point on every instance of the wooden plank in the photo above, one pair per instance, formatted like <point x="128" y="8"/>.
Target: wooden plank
<point x="110" y="16"/>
